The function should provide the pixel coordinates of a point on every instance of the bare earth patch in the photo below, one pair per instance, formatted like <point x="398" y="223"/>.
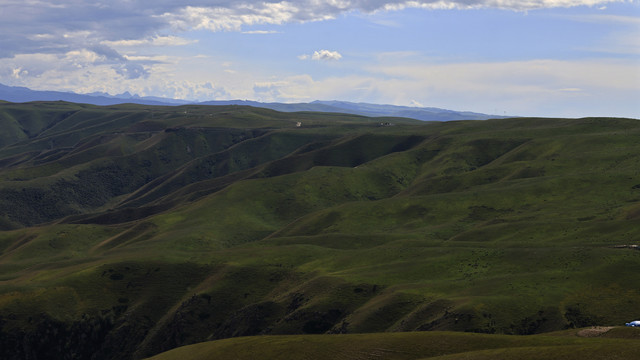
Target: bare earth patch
<point x="594" y="331"/>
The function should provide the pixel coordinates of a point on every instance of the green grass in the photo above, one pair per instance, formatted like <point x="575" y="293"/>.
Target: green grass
<point x="175" y="225"/>
<point x="426" y="345"/>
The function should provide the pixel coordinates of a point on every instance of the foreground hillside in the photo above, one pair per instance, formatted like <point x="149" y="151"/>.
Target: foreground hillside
<point x="128" y="230"/>
<point x="607" y="344"/>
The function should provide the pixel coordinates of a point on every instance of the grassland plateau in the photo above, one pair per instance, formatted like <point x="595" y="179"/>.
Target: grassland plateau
<point x="130" y="230"/>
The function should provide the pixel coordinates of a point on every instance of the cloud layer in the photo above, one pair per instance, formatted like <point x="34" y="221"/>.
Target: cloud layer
<point x="38" y="26"/>
<point x="58" y="27"/>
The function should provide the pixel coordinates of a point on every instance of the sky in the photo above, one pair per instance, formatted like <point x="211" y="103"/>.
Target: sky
<point x="564" y="58"/>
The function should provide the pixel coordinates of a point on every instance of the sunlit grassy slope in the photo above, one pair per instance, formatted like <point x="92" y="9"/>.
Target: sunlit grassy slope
<point x="406" y="346"/>
<point x="131" y="230"/>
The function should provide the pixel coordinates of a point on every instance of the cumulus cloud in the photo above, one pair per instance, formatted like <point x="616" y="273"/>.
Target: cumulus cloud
<point x="169" y="40"/>
<point x="82" y="63"/>
<point x="87" y="72"/>
<point x="324" y="55"/>
<point x="268" y="91"/>
<point x="261" y="32"/>
<point x="232" y="17"/>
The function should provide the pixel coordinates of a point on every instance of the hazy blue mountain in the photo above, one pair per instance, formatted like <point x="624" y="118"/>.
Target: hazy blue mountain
<point x="284" y="107"/>
<point x="365" y="109"/>
<point x="22" y="94"/>
<point x="138" y="99"/>
<point x="420" y="113"/>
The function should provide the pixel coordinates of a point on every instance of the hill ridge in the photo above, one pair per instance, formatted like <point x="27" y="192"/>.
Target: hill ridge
<point x="22" y="94"/>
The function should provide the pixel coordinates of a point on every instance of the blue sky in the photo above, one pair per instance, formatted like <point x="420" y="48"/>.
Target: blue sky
<point x="534" y="58"/>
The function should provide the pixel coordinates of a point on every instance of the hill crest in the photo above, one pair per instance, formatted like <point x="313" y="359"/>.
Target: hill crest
<point x="22" y="94"/>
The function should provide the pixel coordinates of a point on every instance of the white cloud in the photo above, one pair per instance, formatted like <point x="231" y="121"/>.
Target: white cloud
<point x="261" y="32"/>
<point x="81" y="34"/>
<point x="290" y="89"/>
<point x="39" y="37"/>
<point x="75" y="63"/>
<point x="104" y="78"/>
<point x="18" y="73"/>
<point x="153" y="41"/>
<point x="148" y="59"/>
<point x="324" y="55"/>
<point x="231" y="18"/>
<point x="82" y="58"/>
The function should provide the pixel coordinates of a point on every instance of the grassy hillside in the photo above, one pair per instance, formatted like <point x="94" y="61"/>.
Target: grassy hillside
<point x="405" y="346"/>
<point x="132" y="230"/>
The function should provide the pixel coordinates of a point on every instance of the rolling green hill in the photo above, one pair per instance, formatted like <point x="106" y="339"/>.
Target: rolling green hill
<point x="131" y="230"/>
<point x="425" y="345"/>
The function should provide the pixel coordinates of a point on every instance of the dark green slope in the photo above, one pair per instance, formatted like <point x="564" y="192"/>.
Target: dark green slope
<point x="170" y="226"/>
<point x="84" y="158"/>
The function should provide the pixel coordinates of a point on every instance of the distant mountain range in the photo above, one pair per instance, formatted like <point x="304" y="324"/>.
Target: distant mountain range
<point x="23" y="94"/>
